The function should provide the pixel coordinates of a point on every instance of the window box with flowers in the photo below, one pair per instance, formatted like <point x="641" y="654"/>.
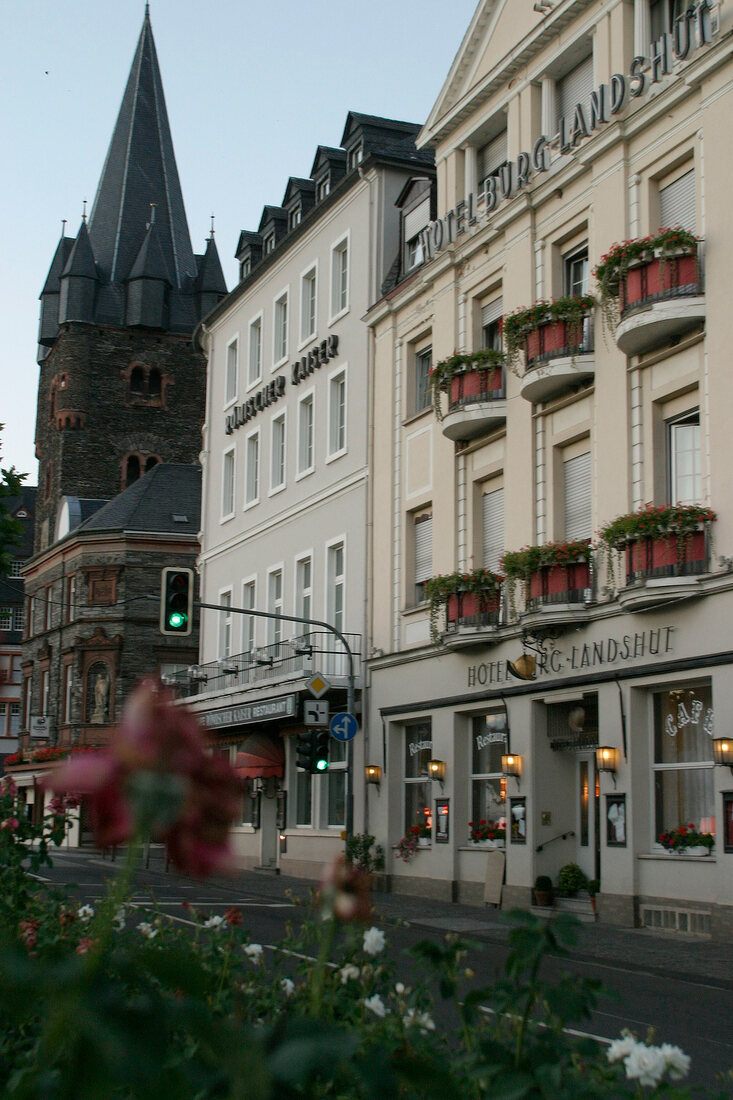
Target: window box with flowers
<point x="416" y="837"/>
<point x="669" y="541"/>
<point x="554" y="573"/>
<point x="487" y="834"/>
<point x="548" y="329"/>
<point x="687" y="840"/>
<point x="475" y="385"/>
<point x="469" y="599"/>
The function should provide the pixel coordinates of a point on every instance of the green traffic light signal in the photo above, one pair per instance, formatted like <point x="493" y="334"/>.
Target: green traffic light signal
<point x="176" y="600"/>
<point x="321" y="761"/>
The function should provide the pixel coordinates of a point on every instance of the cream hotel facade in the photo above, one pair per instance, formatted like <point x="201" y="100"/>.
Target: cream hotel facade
<point x="561" y="130"/>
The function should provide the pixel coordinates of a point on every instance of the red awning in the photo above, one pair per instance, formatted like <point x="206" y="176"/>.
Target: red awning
<point x="259" y="757"/>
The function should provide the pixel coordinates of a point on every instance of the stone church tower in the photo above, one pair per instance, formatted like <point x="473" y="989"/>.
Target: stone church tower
<point x="121" y="387"/>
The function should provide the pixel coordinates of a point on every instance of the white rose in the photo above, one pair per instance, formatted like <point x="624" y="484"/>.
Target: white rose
<point x="253" y="951"/>
<point x="287" y="986"/>
<point x="419" y="1019"/>
<point x="374" y="941"/>
<point x="676" y="1061"/>
<point x="621" y="1048"/>
<point x="348" y="972"/>
<point x="375" y="1004"/>
<point x="85" y="912"/>
<point x="645" y="1064"/>
<point x="214" y="922"/>
<point x="147" y="930"/>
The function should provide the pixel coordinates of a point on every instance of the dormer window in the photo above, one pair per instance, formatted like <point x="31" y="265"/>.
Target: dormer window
<point x="245" y="267"/>
<point x="323" y="188"/>
<point x="415" y="254"/>
<point x="294" y="217"/>
<point x="269" y="243"/>
<point x="355" y="156"/>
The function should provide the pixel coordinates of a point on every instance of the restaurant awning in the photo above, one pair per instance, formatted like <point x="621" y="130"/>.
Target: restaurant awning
<point x="259" y="757"/>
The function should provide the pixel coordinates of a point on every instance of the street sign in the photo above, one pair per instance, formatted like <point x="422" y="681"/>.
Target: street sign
<point x="343" y="727"/>
<point x="317" y="685"/>
<point x="315" y="712"/>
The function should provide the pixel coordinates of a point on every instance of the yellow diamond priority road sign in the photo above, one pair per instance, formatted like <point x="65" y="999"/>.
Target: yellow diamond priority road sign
<point x="317" y="685"/>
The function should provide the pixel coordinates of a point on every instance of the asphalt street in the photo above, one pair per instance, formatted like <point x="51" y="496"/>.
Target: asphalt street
<point x="682" y="986"/>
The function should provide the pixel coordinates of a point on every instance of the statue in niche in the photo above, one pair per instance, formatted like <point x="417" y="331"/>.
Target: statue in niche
<point x="100" y="698"/>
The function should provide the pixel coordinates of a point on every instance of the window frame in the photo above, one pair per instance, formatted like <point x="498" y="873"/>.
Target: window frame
<point x="340" y="281"/>
<point x="659" y="768"/>
<point x="230" y="452"/>
<point x="420" y="780"/>
<point x="420" y="353"/>
<point x="231" y="371"/>
<point x="338" y="377"/>
<point x="309" y="397"/>
<point x="252" y="481"/>
<point x="279" y="418"/>
<point x="256" y="324"/>
<point x="479" y="776"/>
<point x="275" y="604"/>
<point x="303" y="591"/>
<point x="249" y="622"/>
<point x="308" y="276"/>
<point x="280" y="302"/>
<point x="224" y="625"/>
<point x="687" y="419"/>
<point x="417" y="517"/>
<point x="579" y="253"/>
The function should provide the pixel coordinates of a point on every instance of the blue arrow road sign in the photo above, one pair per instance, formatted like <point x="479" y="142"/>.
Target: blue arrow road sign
<point x="343" y="727"/>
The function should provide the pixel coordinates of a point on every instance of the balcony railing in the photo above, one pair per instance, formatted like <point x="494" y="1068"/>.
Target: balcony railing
<point x="292" y="659"/>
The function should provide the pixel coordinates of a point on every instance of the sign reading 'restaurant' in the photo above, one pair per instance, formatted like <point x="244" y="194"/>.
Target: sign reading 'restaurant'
<point x="694" y="28"/>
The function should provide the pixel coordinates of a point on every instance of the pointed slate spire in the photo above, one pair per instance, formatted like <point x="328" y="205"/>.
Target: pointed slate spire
<point x="79" y="280"/>
<point x="48" y="325"/>
<point x="141" y="169"/>
<point x="147" y="283"/>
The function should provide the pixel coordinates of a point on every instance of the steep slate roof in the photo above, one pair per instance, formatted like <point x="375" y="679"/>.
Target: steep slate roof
<point x="140" y="169"/>
<point x="210" y="276"/>
<point x="149" y="505"/>
<point x="385" y="137"/>
<point x="58" y="263"/>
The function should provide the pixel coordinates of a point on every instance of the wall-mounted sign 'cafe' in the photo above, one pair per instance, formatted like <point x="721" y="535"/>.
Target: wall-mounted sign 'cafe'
<point x="694" y="28"/>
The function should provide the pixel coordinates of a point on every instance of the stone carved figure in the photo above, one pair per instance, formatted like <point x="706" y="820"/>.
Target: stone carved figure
<point x="101" y="697"/>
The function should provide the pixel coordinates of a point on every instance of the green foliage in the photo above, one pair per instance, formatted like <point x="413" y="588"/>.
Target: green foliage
<point x="614" y="264"/>
<point x="543" y="883"/>
<point x="482" y="583"/>
<point x="571" y="879"/>
<point x="521" y="323"/>
<point x="442" y="374"/>
<point x="10" y="529"/>
<point x="363" y="852"/>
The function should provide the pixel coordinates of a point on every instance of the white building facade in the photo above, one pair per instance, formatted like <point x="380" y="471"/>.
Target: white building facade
<point x="286" y="512"/>
<point x="558" y="134"/>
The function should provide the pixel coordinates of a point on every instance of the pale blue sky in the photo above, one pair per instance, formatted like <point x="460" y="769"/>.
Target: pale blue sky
<point x="251" y="90"/>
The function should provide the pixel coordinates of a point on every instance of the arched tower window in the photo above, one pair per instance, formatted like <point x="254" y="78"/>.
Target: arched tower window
<point x="137" y="380"/>
<point x="150" y="461"/>
<point x="154" y="383"/>
<point x="132" y="469"/>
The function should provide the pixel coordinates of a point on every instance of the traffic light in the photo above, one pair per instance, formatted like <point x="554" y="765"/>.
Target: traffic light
<point x="176" y="601"/>
<point x="305" y="750"/>
<point x="320" y="761"/>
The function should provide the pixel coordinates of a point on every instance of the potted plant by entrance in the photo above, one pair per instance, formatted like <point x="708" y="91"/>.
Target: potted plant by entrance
<point x="666" y="541"/>
<point x="472" y="597"/>
<point x="571" y="879"/>
<point x="556" y="572"/>
<point x="546" y="329"/>
<point x="543" y="891"/>
<point x="656" y="266"/>
<point x="474" y="376"/>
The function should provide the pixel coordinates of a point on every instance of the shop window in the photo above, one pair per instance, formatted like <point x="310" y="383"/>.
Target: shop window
<point x="422" y="530"/>
<point x="684" y="475"/>
<point x="492" y="525"/>
<point x="232" y="372"/>
<point x="488" y="785"/>
<point x="421" y="397"/>
<point x="684" y="788"/>
<point x="417" y="784"/>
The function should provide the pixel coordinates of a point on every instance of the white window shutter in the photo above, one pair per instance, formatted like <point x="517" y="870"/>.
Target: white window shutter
<point x="491" y="312"/>
<point x="578" y="519"/>
<point x="575" y="88"/>
<point x="423" y="548"/>
<point x="677" y="203"/>
<point x="417" y="219"/>
<point x="493" y="529"/>
<point x="492" y="155"/>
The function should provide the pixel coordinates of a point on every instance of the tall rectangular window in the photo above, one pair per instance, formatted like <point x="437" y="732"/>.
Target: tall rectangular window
<point x="417" y="784"/>
<point x="6" y="618"/>
<point x="227" y="485"/>
<point x="48" y="607"/>
<point x="492" y="523"/>
<point x="577" y="496"/>
<point x="678" y="203"/>
<point x="254" y="373"/>
<point x="280" y="334"/>
<point x="14" y="718"/>
<point x="308" y="305"/>
<point x="684" y="787"/>
<point x="249" y="622"/>
<point x="336" y="586"/>
<point x="575" y="271"/>
<point x="68" y="673"/>
<point x="277" y="453"/>
<point x="339" y="277"/>
<point x="491" y="314"/>
<point x="421" y="391"/>
<point x="71" y="598"/>
<point x="18" y="618"/>
<point x="684" y="459"/>
<point x="252" y="475"/>
<point x="304" y="591"/>
<point x="232" y="371"/>
<point x="488" y="786"/>
<point x="225" y="625"/>
<point x="491" y="157"/>
<point x="335" y="784"/>
<point x="574" y="88"/>
<point x="423" y="553"/>
<point x="44" y="693"/>
<point x="337" y="414"/>
<point x="306" y="427"/>
<point x="275" y="605"/>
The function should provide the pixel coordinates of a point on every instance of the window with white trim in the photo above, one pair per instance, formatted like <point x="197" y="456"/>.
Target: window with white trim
<point x="294" y="217"/>
<point x="14" y="718"/>
<point x="15" y="568"/>
<point x="18" y="618"/>
<point x="415" y="218"/>
<point x="274" y="606"/>
<point x="277" y="453"/>
<point x="280" y="332"/>
<point x="417" y="784"/>
<point x="684" y="458"/>
<point x="304" y="591"/>
<point x="492" y="524"/>
<point x="225" y="625"/>
<point x="337" y="414"/>
<point x="323" y="187"/>
<point x="308" y="305"/>
<point x="678" y="202"/>
<point x="422" y="529"/>
<point x="336" y="585"/>
<point x="44" y="692"/>
<point x="249" y="622"/>
<point x="6" y="618"/>
<point x="71" y="598"/>
<point x="232" y="371"/>
<point x="355" y="156"/>
<point x="683" y="769"/>
<point x="48" y="608"/>
<point x="488" y="785"/>
<point x="491" y="315"/>
<point x="268" y="243"/>
<point x="421" y="390"/>
<point x="577" y="495"/>
<point x="227" y="484"/>
<point x="575" y="271"/>
<point x="252" y="469"/>
<point x="254" y="372"/>
<point x="306" y="438"/>
<point x="340" y="277"/>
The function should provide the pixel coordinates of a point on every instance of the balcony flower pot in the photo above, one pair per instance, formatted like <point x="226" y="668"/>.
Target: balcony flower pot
<point x="664" y="541"/>
<point x="546" y="329"/>
<point x="464" y="596"/>
<point x="556" y="572"/>
<point x="478" y="374"/>
<point x="614" y="273"/>
<point x="687" y="840"/>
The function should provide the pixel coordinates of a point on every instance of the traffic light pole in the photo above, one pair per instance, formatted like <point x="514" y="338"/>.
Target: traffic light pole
<point x="350" y="693"/>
